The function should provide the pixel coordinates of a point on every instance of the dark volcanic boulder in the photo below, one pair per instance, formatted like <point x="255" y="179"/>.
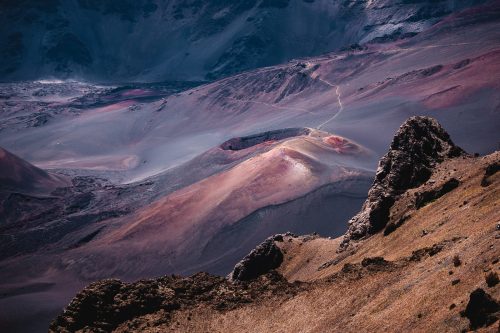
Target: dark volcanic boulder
<point x="482" y="309"/>
<point x="417" y="147"/>
<point x="103" y="305"/>
<point x="262" y="259"/>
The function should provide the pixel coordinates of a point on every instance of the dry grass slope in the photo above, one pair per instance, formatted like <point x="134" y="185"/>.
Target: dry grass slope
<point x="418" y="278"/>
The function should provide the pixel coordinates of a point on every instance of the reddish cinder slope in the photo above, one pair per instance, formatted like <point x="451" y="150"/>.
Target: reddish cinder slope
<point x="17" y="175"/>
<point x="175" y="231"/>
<point x="287" y="171"/>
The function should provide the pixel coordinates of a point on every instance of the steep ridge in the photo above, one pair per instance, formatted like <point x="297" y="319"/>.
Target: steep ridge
<point x="437" y="271"/>
<point x="417" y="147"/>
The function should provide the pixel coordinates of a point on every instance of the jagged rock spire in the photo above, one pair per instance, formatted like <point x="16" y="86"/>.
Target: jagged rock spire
<point x="419" y="144"/>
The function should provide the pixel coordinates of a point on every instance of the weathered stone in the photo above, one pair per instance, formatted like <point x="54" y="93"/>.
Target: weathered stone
<point x="490" y="171"/>
<point x="105" y="305"/>
<point x="482" y="310"/>
<point x="418" y="146"/>
<point x="426" y="197"/>
<point x="262" y="259"/>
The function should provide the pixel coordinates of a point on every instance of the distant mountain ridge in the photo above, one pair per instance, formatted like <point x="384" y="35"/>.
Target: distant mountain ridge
<point x="151" y="40"/>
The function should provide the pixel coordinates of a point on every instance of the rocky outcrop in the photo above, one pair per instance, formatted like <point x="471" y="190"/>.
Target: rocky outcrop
<point x="482" y="309"/>
<point x="417" y="147"/>
<point x="264" y="258"/>
<point x="103" y="305"/>
<point x="114" y="306"/>
<point x="491" y="169"/>
<point x="426" y="197"/>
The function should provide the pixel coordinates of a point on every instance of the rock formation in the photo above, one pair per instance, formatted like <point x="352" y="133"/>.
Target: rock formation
<point x="262" y="259"/>
<point x="109" y="305"/>
<point x="482" y="309"/>
<point x="417" y="147"/>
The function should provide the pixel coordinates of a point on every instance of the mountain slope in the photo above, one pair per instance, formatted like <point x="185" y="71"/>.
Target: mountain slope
<point x="22" y="177"/>
<point x="151" y="40"/>
<point x="25" y="190"/>
<point x="438" y="271"/>
<point x="179" y="231"/>
<point x="137" y="153"/>
<point x="136" y="132"/>
<point x="205" y="214"/>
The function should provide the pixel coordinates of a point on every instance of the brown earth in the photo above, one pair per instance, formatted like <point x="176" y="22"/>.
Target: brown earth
<point x="416" y="278"/>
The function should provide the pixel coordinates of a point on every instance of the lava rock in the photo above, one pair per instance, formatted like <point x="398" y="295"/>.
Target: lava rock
<point x="375" y="261"/>
<point x="418" y="146"/>
<point x="491" y="279"/>
<point x="105" y="304"/>
<point x="417" y="255"/>
<point x="265" y="257"/>
<point x="391" y="227"/>
<point x="278" y="238"/>
<point x="482" y="310"/>
<point x="490" y="171"/>
<point x="426" y="197"/>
